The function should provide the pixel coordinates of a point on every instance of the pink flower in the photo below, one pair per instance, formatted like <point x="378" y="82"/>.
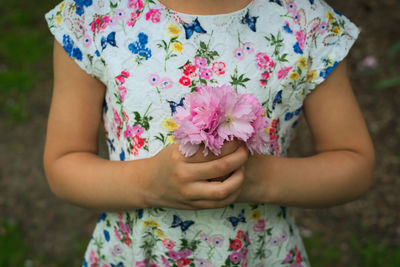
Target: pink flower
<point x="165" y="262"/>
<point x="117" y="235"/>
<point x="93" y="257"/>
<point x="276" y="241"/>
<point x="264" y="61"/>
<point x="204" y="237"/>
<point x="288" y="257"/>
<point x="135" y="4"/>
<point x="154" y="79"/>
<point x="120" y="14"/>
<point x="243" y="253"/>
<point x="234" y="257"/>
<point x="113" y="20"/>
<point x="122" y="92"/>
<point x="200" y="62"/>
<point x="125" y="73"/>
<point x="206" y="74"/>
<point x="283" y="72"/>
<point x="168" y="244"/>
<point x="238" y="53"/>
<point x="291" y="7"/>
<point x="120" y="79"/>
<point x="116" y="250"/>
<point x="153" y="15"/>
<point x="323" y="27"/>
<point x="264" y="79"/>
<point x="124" y="227"/>
<point x="117" y="118"/>
<point x="259" y="226"/>
<point x="219" y="68"/>
<point x="142" y="263"/>
<point x="301" y="38"/>
<point x="87" y="40"/>
<point x="131" y="22"/>
<point x="184" y="253"/>
<point x="217" y="240"/>
<point x="284" y="237"/>
<point x="173" y="254"/>
<point x="166" y="83"/>
<point x="248" y="47"/>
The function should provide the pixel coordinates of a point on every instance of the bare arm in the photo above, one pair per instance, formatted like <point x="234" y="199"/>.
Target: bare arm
<point x="76" y="174"/>
<point x="340" y="171"/>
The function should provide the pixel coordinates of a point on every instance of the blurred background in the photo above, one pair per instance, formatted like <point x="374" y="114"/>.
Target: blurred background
<point x="37" y="229"/>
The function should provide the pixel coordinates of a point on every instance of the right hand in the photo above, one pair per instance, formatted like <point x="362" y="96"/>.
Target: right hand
<point x="183" y="183"/>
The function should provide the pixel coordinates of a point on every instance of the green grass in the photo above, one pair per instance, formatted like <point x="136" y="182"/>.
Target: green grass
<point x="13" y="249"/>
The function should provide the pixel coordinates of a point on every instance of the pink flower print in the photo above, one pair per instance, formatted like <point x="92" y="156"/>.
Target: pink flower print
<point x="92" y="257"/>
<point x="117" y="235"/>
<point x="217" y="240"/>
<point x="154" y="79"/>
<point x="301" y="38"/>
<point x="240" y="234"/>
<point x="120" y="79"/>
<point x="283" y="72"/>
<point x="244" y="263"/>
<point x="323" y="27"/>
<point x="128" y="133"/>
<point x="124" y="227"/>
<point x="184" y="253"/>
<point x="113" y="20"/>
<point x="206" y="74"/>
<point x="238" y="53"/>
<point x="116" y="250"/>
<point x="204" y="237"/>
<point x="234" y="257"/>
<point x="125" y="116"/>
<point x="98" y="22"/>
<point x="137" y="142"/>
<point x="247" y="239"/>
<point x="135" y="4"/>
<point x="142" y="263"/>
<point x="165" y="262"/>
<point x="117" y="118"/>
<point x="264" y="79"/>
<point x="248" y="47"/>
<point x="291" y="7"/>
<point x="276" y="241"/>
<point x="243" y="253"/>
<point x="297" y="18"/>
<point x="259" y="226"/>
<point x="138" y="130"/>
<point x="200" y="62"/>
<point x="168" y="243"/>
<point x="166" y="83"/>
<point x="218" y="68"/>
<point x="87" y="40"/>
<point x="153" y="15"/>
<point x="106" y="21"/>
<point x="128" y="241"/>
<point x="173" y="255"/>
<point x="288" y="257"/>
<point x="264" y="61"/>
<point x="203" y="263"/>
<point x="125" y="73"/>
<point x="131" y="22"/>
<point x="189" y="70"/>
<point x="284" y="237"/>
<point x="120" y="14"/>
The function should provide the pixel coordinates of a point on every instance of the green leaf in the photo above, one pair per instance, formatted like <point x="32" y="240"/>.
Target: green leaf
<point x="203" y="45"/>
<point x="386" y="83"/>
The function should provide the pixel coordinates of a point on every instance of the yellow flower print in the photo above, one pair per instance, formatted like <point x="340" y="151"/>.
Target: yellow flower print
<point x="159" y="233"/>
<point x="331" y="17"/>
<point x="255" y="215"/>
<point x="177" y="46"/>
<point x="294" y="76"/>
<point x="173" y="30"/>
<point x="61" y="7"/>
<point x="169" y="125"/>
<point x="150" y="223"/>
<point x="302" y="62"/>
<point x="311" y="75"/>
<point x="170" y="139"/>
<point x="58" y="19"/>
<point x="336" y="30"/>
<point x="266" y="130"/>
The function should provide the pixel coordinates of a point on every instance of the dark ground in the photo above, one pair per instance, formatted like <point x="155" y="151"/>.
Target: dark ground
<point x="365" y="232"/>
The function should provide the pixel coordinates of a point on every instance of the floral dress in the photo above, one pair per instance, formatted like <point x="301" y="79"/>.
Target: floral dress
<point x="150" y="57"/>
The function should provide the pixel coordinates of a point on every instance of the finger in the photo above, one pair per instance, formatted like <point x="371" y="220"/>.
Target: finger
<point x="216" y="191"/>
<point x="219" y="167"/>
<point x="227" y="148"/>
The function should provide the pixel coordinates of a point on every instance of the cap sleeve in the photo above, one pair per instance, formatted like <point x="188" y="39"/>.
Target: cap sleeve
<point x="70" y="24"/>
<point x="330" y="37"/>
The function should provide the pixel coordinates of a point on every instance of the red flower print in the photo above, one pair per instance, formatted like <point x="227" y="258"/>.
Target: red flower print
<point x="240" y="234"/>
<point x="137" y="142"/>
<point x="218" y="68"/>
<point x="236" y="244"/>
<point x="189" y="70"/>
<point x="185" y="81"/>
<point x="168" y="244"/>
<point x="272" y="133"/>
<point x="136" y="4"/>
<point x="264" y="79"/>
<point x="183" y="262"/>
<point x="298" y="257"/>
<point x="127" y="240"/>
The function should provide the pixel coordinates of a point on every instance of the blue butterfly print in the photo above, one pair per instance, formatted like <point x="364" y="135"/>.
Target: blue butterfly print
<point x="251" y="21"/>
<point x="140" y="213"/>
<point x="277" y="99"/>
<point x="139" y="47"/>
<point x="105" y="106"/>
<point x="276" y="2"/>
<point x="173" y="105"/>
<point x="68" y="45"/>
<point x="312" y="2"/>
<point x="194" y="27"/>
<point x="283" y="210"/>
<point x="80" y="4"/>
<point x="236" y="220"/>
<point x="120" y="264"/>
<point x="328" y="70"/>
<point x="297" y="48"/>
<point x="287" y="28"/>
<point x="109" y="40"/>
<point x="106" y="235"/>
<point x="177" y="222"/>
<point x="103" y="217"/>
<point x="111" y="144"/>
<point x="122" y="155"/>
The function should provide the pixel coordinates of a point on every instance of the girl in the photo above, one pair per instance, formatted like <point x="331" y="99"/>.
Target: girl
<point x="132" y="62"/>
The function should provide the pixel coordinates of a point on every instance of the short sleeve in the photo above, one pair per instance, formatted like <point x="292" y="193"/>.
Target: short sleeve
<point x="69" y="24"/>
<point x="330" y="37"/>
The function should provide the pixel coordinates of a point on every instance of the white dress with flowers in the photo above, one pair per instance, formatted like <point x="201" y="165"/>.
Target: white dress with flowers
<point x="150" y="57"/>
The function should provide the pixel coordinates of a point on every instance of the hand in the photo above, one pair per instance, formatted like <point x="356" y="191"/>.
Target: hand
<point x="182" y="183"/>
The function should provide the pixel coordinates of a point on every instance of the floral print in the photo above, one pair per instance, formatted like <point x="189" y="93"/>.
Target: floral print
<point x="150" y="58"/>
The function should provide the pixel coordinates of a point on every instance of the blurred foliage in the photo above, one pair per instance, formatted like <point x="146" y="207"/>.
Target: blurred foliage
<point x="13" y="249"/>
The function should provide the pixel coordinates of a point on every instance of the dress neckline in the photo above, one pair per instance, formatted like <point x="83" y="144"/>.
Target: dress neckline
<point x="231" y="14"/>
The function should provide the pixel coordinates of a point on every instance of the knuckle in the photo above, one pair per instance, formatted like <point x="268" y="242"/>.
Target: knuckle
<point x="221" y="193"/>
<point x="222" y="166"/>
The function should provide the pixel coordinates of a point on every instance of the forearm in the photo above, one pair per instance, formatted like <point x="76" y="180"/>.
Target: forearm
<point x="87" y="180"/>
<point x="323" y="180"/>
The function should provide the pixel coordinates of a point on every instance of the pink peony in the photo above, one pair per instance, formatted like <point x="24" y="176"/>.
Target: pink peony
<point x="153" y="15"/>
<point x="213" y="115"/>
